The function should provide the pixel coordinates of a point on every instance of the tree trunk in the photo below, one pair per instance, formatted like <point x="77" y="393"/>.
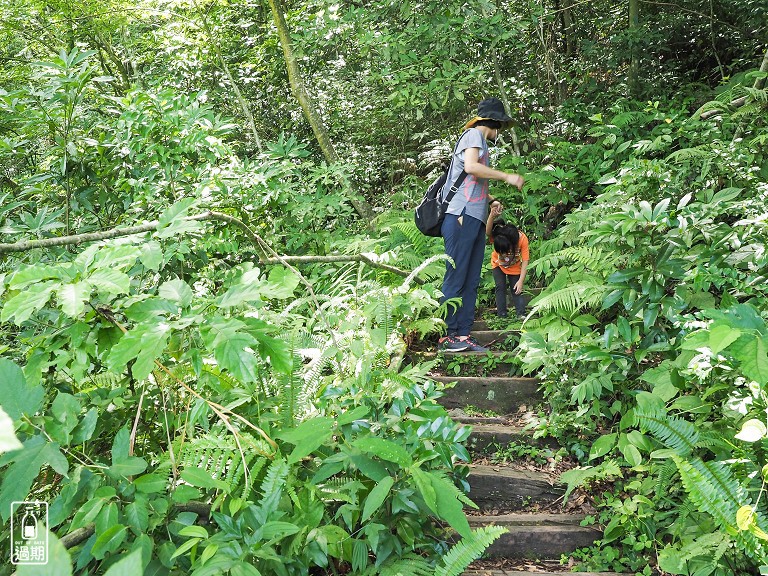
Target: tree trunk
<point x="307" y="104"/>
<point x="634" y="18"/>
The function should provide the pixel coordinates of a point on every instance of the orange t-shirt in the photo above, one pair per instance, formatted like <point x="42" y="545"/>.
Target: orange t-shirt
<point x="511" y="263"/>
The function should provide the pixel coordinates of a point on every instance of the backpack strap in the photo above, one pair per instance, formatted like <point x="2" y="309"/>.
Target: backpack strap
<point x="455" y="186"/>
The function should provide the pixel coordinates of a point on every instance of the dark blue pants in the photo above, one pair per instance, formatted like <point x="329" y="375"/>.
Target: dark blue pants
<point x="503" y="280"/>
<point x="465" y="244"/>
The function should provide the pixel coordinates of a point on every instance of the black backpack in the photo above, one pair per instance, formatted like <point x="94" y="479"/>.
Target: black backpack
<point x="429" y="215"/>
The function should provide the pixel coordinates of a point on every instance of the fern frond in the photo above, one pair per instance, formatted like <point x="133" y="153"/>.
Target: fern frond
<point x="676" y="433"/>
<point x="467" y="550"/>
<point x="701" y="152"/>
<point x="586" y="292"/>
<point x="408" y="565"/>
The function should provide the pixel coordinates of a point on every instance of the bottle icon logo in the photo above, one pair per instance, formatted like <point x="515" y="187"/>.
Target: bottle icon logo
<point x="29" y="524"/>
<point x="29" y="533"/>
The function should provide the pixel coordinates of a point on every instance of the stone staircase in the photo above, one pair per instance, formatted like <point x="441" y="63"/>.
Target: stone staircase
<point x="527" y="502"/>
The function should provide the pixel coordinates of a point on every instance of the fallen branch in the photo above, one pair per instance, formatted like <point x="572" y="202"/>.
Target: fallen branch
<point x="739" y="102"/>
<point x="82" y="534"/>
<point x="75" y="239"/>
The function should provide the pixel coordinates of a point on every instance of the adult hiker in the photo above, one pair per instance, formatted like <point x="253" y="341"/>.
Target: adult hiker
<point x="463" y="229"/>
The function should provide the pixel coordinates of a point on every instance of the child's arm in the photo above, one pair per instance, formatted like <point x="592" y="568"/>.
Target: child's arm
<point x="525" y="256"/>
<point x="518" y="287"/>
<point x="495" y="211"/>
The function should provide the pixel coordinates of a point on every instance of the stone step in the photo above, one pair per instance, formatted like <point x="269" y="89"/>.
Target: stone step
<point x="513" y="572"/>
<point x="505" y="488"/>
<point x="497" y="433"/>
<point x="496" y="337"/>
<point x="500" y="395"/>
<point x="537" y="535"/>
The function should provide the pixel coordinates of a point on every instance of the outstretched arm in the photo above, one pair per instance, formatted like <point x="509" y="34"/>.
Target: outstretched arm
<point x="496" y="209"/>
<point x="473" y="166"/>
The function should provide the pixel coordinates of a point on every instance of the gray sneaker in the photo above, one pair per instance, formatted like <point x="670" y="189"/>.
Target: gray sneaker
<point x="452" y="344"/>
<point x="473" y="346"/>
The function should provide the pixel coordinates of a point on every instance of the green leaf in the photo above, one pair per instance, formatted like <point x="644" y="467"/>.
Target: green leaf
<point x="17" y="479"/>
<point x="424" y="485"/>
<point x="352" y="415"/>
<point x="72" y="298"/>
<point x="384" y="449"/>
<point x="602" y="446"/>
<point x="449" y="505"/>
<point x="27" y="302"/>
<point x="151" y="483"/>
<point x="632" y="455"/>
<point x="376" y="497"/>
<point x="144" y="343"/>
<point x="8" y="440"/>
<point x="720" y="337"/>
<point x="278" y="351"/>
<point x="108" y="541"/>
<point x="16" y="397"/>
<point x="282" y="283"/>
<point x="110" y="281"/>
<point x="131" y="565"/>
<point x="307" y="437"/>
<point x="86" y="427"/>
<point x="34" y="274"/>
<point x="202" y="479"/>
<point x="59" y="562"/>
<point x="194" y="531"/>
<point x="231" y="354"/>
<point x="177" y="291"/>
<point x="175" y="212"/>
<point x="151" y="255"/>
<point x="754" y="360"/>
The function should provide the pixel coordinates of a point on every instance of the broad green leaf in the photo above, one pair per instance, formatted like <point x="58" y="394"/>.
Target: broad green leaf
<point x="276" y="530"/>
<point x="282" y="283"/>
<point x="194" y="531"/>
<point x="175" y="212"/>
<point x="150" y="483"/>
<point x="27" y="302"/>
<point x="352" y="415"/>
<point x="176" y="291"/>
<point x="86" y="427"/>
<point x="122" y="463"/>
<point x="632" y="455"/>
<point x="752" y="431"/>
<point x="384" y="449"/>
<point x="16" y="396"/>
<point x="721" y="336"/>
<point x="72" y="297"/>
<point x="202" y="479"/>
<point x="449" y="505"/>
<point x="151" y="255"/>
<point x="17" y="479"/>
<point x="424" y="485"/>
<point x="231" y="354"/>
<point x="144" y="343"/>
<point x="241" y="293"/>
<point x="188" y="545"/>
<point x="307" y="437"/>
<point x="754" y="360"/>
<point x="8" y="440"/>
<point x="376" y="497"/>
<point x="661" y="379"/>
<point x="278" y="351"/>
<point x="137" y="516"/>
<point x="131" y="565"/>
<point x="34" y="274"/>
<point x="110" y="281"/>
<point x="59" y="562"/>
<point x="108" y="541"/>
<point x="602" y="446"/>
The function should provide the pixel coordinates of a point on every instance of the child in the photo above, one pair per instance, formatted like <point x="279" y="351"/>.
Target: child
<point x="509" y="262"/>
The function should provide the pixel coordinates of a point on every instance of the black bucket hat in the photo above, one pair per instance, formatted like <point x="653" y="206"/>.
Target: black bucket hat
<point x="490" y="109"/>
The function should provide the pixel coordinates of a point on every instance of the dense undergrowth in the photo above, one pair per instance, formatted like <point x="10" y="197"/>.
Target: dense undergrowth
<point x="190" y="402"/>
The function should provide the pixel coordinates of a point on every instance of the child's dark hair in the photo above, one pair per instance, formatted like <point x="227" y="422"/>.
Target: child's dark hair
<point x="511" y="232"/>
<point x="502" y="244"/>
